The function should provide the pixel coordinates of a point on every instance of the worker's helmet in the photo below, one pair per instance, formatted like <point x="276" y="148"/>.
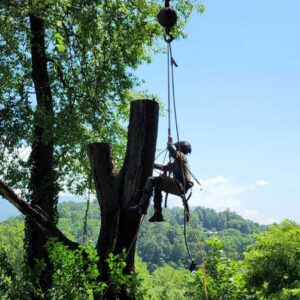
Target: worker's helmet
<point x="184" y="147"/>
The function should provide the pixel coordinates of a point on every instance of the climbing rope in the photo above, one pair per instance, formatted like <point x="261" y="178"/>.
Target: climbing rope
<point x="201" y="252"/>
<point x="187" y="216"/>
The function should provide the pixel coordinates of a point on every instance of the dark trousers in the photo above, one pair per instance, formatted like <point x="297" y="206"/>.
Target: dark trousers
<point x="159" y="184"/>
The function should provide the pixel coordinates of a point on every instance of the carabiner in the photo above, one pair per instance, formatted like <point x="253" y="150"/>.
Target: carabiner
<point x="168" y="37"/>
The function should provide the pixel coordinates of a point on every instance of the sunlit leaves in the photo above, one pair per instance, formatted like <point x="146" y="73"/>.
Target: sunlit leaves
<point x="59" y="42"/>
<point x="221" y="276"/>
<point x="272" y="262"/>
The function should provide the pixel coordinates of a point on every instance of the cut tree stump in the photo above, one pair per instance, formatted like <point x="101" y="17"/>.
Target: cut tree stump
<point x="117" y="192"/>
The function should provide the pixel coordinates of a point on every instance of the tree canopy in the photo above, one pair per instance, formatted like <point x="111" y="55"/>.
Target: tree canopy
<point x="273" y="262"/>
<point x="92" y="48"/>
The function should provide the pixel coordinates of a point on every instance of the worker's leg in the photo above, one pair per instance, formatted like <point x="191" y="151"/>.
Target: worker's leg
<point x="145" y="199"/>
<point x="157" y="217"/>
<point x="171" y="186"/>
<point x="168" y="185"/>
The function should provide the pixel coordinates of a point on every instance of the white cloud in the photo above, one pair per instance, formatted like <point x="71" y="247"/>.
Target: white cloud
<point x="221" y="193"/>
<point x="262" y="182"/>
<point x="216" y="180"/>
<point x="218" y="193"/>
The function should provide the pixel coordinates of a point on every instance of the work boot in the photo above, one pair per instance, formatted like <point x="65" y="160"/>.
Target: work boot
<point x="157" y="217"/>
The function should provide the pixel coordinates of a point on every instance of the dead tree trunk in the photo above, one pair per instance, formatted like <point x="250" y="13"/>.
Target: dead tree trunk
<point x="117" y="192"/>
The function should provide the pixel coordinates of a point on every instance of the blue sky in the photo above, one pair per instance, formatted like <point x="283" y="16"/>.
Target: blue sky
<point x="237" y="91"/>
<point x="237" y="94"/>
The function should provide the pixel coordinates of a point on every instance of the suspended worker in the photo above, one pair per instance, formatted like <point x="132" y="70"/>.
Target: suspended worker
<point x="177" y="183"/>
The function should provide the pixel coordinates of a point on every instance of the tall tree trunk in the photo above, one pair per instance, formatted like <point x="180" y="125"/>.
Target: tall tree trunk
<point x="42" y="187"/>
<point x="117" y="192"/>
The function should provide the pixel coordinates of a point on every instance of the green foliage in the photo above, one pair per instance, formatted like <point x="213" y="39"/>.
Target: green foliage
<point x="19" y="284"/>
<point x="75" y="272"/>
<point x="201" y="9"/>
<point x="223" y="277"/>
<point x="76" y="275"/>
<point x="170" y="283"/>
<point x="11" y="241"/>
<point x="164" y="283"/>
<point x="273" y="262"/>
<point x="6" y="274"/>
<point x="142" y="269"/>
<point x="119" y="281"/>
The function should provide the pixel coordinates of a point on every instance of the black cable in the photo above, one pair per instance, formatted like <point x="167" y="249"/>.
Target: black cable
<point x="172" y="62"/>
<point x="173" y="91"/>
<point x="169" y="93"/>
<point x="185" y="238"/>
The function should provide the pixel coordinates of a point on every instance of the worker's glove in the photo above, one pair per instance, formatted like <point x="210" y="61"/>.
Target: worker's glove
<point x="170" y="141"/>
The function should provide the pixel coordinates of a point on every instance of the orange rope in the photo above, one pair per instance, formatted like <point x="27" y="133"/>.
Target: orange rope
<point x="201" y="252"/>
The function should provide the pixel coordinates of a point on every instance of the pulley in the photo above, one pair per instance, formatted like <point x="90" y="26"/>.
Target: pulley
<point x="167" y="18"/>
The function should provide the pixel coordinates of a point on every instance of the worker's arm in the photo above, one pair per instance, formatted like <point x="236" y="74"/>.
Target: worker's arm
<point x="171" y="149"/>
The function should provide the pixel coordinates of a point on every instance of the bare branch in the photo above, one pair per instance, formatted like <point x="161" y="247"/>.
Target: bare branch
<point x="36" y="214"/>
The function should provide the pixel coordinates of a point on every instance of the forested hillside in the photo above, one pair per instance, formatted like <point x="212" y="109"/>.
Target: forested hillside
<point x="161" y="243"/>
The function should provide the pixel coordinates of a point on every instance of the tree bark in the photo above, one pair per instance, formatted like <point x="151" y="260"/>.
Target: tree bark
<point x="106" y="184"/>
<point x="42" y="187"/>
<point x="138" y="166"/>
<point x="117" y="192"/>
